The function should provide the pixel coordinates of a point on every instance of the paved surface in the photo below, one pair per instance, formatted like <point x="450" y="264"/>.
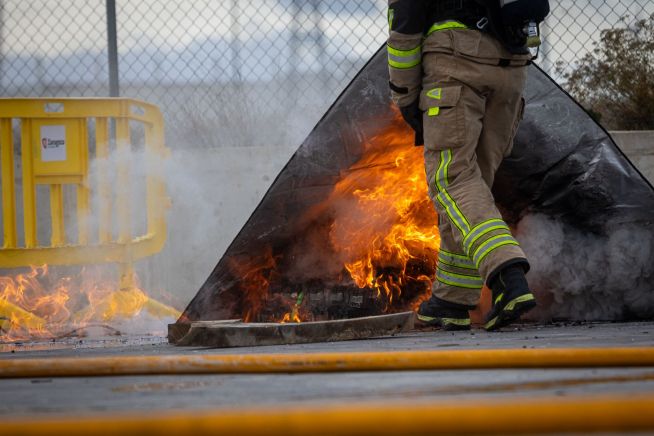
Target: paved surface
<point x="68" y="396"/>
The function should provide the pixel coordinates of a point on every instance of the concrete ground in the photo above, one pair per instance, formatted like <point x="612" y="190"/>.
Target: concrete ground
<point x="78" y="396"/>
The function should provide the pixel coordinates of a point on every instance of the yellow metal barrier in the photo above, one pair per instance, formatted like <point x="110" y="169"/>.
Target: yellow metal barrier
<point x="54" y="143"/>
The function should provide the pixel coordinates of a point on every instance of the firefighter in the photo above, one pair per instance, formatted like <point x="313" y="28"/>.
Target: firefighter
<point x="457" y="73"/>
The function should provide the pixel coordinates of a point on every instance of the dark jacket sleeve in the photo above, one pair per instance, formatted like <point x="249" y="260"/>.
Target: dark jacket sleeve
<point x="406" y="23"/>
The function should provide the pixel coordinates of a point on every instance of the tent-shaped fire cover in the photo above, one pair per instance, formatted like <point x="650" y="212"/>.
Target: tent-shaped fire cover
<point x="347" y="230"/>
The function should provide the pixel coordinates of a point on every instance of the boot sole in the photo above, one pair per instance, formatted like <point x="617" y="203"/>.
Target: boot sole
<point x="448" y="324"/>
<point x="511" y="312"/>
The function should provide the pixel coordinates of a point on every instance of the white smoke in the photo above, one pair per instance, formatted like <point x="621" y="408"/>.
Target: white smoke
<point x="580" y="275"/>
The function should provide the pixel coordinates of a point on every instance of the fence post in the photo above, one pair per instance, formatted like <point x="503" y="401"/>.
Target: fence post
<point x="2" y="43"/>
<point x="112" y="49"/>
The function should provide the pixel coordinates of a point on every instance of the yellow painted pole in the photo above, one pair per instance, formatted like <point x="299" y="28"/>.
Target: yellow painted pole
<point x="329" y="362"/>
<point x="58" y="237"/>
<point x="153" y="176"/>
<point x="104" y="188"/>
<point x="157" y="200"/>
<point x="127" y="276"/>
<point x="29" y="192"/>
<point x="499" y="416"/>
<point x="83" y="213"/>
<point x="83" y="193"/>
<point x="123" y="198"/>
<point x="123" y="180"/>
<point x="8" y="184"/>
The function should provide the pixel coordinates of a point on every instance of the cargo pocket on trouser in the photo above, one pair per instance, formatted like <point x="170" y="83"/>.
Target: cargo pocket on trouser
<point x="514" y="129"/>
<point x="444" y="117"/>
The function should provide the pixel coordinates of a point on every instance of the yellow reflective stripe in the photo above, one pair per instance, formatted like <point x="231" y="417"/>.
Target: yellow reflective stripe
<point x="391" y="15"/>
<point x="404" y="53"/>
<point x="456" y="321"/>
<point x="444" y="198"/>
<point x="473" y="276"/>
<point x="401" y="65"/>
<point x="482" y="229"/>
<point x="444" y="25"/>
<point x="458" y="261"/>
<point x="491" y="244"/>
<point x="435" y="93"/>
<point x="520" y="299"/>
<point x="459" y="280"/>
<point x="454" y="255"/>
<point x="404" y="58"/>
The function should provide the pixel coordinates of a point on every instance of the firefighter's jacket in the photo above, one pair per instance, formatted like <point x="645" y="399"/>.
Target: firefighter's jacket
<point x="415" y="28"/>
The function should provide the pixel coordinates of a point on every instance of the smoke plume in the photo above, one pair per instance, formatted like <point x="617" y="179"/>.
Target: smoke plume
<point x="579" y="275"/>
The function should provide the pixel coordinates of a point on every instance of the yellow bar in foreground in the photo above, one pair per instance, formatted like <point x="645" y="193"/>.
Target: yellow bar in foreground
<point x="496" y="416"/>
<point x="328" y="362"/>
<point x="8" y="184"/>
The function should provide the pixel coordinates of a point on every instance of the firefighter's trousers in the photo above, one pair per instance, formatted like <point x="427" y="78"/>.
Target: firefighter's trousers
<point x="471" y="113"/>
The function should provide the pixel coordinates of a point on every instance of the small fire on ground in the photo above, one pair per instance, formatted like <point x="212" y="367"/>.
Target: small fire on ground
<point x="370" y="248"/>
<point x="45" y="304"/>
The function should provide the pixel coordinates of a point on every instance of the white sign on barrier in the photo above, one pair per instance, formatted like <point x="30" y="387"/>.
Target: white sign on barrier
<point x="53" y="143"/>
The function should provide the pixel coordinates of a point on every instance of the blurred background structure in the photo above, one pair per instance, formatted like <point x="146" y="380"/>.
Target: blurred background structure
<point x="240" y="83"/>
<point x="236" y="64"/>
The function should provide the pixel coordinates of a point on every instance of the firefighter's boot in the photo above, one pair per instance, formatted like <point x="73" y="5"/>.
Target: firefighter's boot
<point x="441" y="313"/>
<point x="511" y="297"/>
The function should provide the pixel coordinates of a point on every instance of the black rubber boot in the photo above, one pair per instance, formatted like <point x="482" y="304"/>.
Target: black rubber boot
<point x="443" y="314"/>
<point x="511" y="297"/>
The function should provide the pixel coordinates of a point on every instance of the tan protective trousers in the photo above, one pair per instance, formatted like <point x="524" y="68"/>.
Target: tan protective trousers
<point x="472" y="111"/>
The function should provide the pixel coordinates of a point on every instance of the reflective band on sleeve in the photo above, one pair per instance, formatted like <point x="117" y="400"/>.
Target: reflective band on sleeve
<point x="491" y="244"/>
<point x="482" y="229"/>
<point x="459" y="280"/>
<point x="457" y="260"/>
<point x="444" y="25"/>
<point x="433" y="111"/>
<point x="444" y="198"/>
<point x="404" y="59"/>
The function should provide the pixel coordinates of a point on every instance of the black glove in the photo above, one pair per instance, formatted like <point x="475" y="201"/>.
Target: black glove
<point x="413" y="117"/>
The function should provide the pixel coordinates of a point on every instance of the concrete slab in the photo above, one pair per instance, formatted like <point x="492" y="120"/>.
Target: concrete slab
<point x="639" y="147"/>
<point x="239" y="334"/>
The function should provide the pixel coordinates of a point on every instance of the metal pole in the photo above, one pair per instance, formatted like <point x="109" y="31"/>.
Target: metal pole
<point x="235" y="42"/>
<point x="2" y="29"/>
<point x="112" y="49"/>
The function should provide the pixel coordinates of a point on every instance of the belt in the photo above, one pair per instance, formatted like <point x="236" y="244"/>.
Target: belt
<point x="480" y="24"/>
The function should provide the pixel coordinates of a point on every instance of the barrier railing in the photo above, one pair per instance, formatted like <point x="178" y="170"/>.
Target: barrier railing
<point x="56" y="138"/>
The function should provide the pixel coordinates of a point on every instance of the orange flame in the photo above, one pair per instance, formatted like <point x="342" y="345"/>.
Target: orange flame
<point x="390" y="221"/>
<point x="384" y="231"/>
<point x="255" y="280"/>
<point x="40" y="304"/>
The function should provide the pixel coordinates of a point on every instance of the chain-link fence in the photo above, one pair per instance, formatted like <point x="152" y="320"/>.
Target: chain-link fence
<point x="236" y="72"/>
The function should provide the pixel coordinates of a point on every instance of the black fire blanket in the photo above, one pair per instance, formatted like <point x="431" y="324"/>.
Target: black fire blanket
<point x="582" y="212"/>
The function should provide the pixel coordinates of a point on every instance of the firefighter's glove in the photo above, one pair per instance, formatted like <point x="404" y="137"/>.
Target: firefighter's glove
<point x="413" y="116"/>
